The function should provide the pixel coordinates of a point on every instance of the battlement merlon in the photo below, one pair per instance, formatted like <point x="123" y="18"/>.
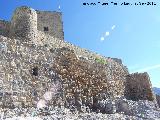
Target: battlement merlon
<point x="27" y="22"/>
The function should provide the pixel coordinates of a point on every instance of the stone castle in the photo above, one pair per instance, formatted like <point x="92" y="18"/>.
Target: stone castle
<point x="37" y="64"/>
<point x="29" y="23"/>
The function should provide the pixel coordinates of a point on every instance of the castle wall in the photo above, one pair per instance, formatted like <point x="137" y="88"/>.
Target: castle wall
<point x="4" y="27"/>
<point x="21" y="83"/>
<point x="138" y="87"/>
<point x="52" y="42"/>
<point x="50" y="23"/>
<point x="24" y="24"/>
<point x="81" y="53"/>
<point x="45" y="63"/>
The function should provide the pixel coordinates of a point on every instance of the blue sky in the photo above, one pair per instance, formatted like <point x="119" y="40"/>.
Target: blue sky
<point x="131" y="33"/>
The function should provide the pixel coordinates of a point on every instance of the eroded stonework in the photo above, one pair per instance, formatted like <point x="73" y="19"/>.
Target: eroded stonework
<point x="138" y="87"/>
<point x="29" y="23"/>
<point x="37" y="66"/>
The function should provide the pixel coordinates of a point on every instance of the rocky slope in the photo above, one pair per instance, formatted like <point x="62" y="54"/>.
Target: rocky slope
<point x="142" y="110"/>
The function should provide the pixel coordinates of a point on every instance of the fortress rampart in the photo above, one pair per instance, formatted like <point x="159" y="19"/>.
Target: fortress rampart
<point x="36" y="60"/>
<point x="63" y="66"/>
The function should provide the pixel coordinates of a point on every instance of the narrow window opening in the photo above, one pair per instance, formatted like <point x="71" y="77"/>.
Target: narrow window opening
<point x="45" y="28"/>
<point x="35" y="71"/>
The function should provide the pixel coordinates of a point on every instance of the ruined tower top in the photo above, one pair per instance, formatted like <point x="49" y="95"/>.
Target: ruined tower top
<point x="29" y="23"/>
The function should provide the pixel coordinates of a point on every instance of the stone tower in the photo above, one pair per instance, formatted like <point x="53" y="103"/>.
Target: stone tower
<point x="31" y="25"/>
<point x="50" y="22"/>
<point x="24" y="23"/>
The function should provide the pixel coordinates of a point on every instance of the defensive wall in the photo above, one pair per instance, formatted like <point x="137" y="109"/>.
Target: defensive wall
<point x="28" y="71"/>
<point x="35" y="62"/>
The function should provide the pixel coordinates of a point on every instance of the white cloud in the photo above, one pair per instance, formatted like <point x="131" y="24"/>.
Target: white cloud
<point x="113" y="27"/>
<point x="148" y="68"/>
<point x="102" y="38"/>
<point x="107" y="34"/>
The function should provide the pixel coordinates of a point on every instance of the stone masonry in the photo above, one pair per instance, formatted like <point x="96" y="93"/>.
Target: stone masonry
<point x="37" y="64"/>
<point x="4" y="28"/>
<point x="52" y="21"/>
<point x="28" y="23"/>
<point x="138" y="87"/>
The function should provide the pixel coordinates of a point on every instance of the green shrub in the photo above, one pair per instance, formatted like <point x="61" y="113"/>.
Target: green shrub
<point x="101" y="60"/>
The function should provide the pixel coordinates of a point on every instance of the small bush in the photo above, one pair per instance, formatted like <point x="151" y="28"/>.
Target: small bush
<point x="101" y="60"/>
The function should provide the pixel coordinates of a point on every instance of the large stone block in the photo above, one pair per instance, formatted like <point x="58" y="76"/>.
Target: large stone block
<point x="138" y="87"/>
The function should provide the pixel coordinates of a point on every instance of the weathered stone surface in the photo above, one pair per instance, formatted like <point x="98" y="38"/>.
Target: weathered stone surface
<point x="90" y="80"/>
<point x="4" y="28"/>
<point x="24" y="24"/>
<point x="52" y="21"/>
<point x="29" y="24"/>
<point x="40" y="70"/>
<point x="106" y="106"/>
<point x="29" y="65"/>
<point x="123" y="106"/>
<point x="138" y="87"/>
<point x="158" y="100"/>
<point x="65" y="114"/>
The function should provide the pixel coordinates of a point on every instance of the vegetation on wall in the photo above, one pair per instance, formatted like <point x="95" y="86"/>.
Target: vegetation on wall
<point x="101" y="60"/>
